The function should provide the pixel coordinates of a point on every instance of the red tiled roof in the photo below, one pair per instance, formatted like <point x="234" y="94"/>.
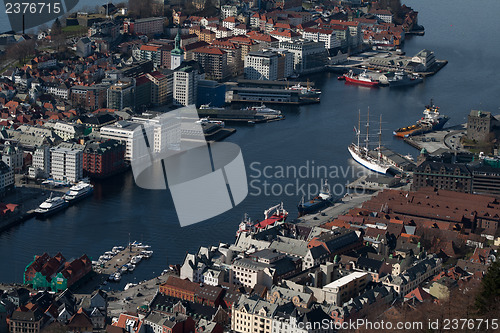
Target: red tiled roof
<point x="149" y="48"/>
<point x="209" y="50"/>
<point x="419" y="294"/>
<point x="176" y="282"/>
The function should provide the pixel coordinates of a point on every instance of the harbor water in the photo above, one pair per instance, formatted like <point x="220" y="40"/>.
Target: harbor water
<point x="312" y="139"/>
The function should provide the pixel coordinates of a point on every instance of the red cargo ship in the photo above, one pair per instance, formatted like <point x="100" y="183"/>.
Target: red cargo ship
<point x="362" y="79"/>
<point x="279" y="214"/>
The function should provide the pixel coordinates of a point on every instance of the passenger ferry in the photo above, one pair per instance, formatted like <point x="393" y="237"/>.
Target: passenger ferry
<point x="51" y="206"/>
<point x="78" y="191"/>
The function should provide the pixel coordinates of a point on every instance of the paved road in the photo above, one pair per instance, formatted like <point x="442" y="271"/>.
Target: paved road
<point x="129" y="300"/>
<point x="340" y="208"/>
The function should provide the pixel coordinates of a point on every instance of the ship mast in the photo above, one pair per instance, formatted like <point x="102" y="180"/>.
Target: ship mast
<point x="359" y="125"/>
<point x="367" y="127"/>
<point x="379" y="137"/>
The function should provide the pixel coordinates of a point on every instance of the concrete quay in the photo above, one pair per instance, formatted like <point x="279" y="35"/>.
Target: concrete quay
<point x="330" y="213"/>
<point x="447" y="138"/>
<point x="27" y="199"/>
<point x="134" y="297"/>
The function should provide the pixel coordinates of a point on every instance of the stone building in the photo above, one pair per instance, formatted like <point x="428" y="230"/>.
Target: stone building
<point x="480" y="125"/>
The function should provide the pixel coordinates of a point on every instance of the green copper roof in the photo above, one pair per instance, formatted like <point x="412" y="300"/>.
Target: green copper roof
<point x="177" y="50"/>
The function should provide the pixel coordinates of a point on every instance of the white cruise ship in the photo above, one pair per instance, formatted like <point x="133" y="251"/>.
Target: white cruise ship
<point x="51" y="205"/>
<point x="78" y="191"/>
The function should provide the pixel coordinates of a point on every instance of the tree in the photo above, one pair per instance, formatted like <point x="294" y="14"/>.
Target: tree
<point x="488" y="299"/>
<point x="22" y="50"/>
<point x="141" y="8"/>
<point x="56" y="28"/>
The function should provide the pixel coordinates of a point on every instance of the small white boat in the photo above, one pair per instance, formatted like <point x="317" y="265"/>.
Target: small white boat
<point x="117" y="277"/>
<point x="111" y="277"/>
<point x="129" y="285"/>
<point x="131" y="267"/>
<point x="146" y="254"/>
<point x="135" y="260"/>
<point x="124" y="269"/>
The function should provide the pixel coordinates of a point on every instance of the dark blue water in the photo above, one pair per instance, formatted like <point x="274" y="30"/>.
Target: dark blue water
<point x="465" y="34"/>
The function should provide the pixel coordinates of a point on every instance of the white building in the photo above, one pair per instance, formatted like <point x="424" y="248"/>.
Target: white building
<point x="13" y="157"/>
<point x="213" y="277"/>
<point x="227" y="11"/>
<point x="123" y="131"/>
<point x="345" y="288"/>
<point x="66" y="164"/>
<point x="240" y="29"/>
<point x="248" y="273"/>
<point x="60" y="90"/>
<point x="251" y="314"/>
<point x="186" y="79"/>
<point x="6" y="177"/>
<point x="165" y="128"/>
<point x="414" y="276"/>
<point x="41" y="162"/>
<point x="261" y="65"/>
<point x="384" y="15"/>
<point x="326" y="36"/>
<point x="67" y="131"/>
<point x="230" y="22"/>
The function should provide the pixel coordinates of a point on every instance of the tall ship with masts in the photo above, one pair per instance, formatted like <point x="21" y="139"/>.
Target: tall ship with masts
<point x="361" y="154"/>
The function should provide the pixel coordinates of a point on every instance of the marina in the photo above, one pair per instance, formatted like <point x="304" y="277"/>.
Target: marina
<point x="118" y="262"/>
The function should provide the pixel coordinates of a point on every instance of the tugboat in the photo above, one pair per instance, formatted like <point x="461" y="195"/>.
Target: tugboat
<point x="323" y="199"/>
<point x="361" y="79"/>
<point x="401" y="79"/>
<point x="51" y="206"/>
<point x="431" y="121"/>
<point x="78" y="191"/>
<point x="279" y="214"/>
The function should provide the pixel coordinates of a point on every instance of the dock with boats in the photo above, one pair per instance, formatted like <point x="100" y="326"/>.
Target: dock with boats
<point x="120" y="260"/>
<point x="274" y="92"/>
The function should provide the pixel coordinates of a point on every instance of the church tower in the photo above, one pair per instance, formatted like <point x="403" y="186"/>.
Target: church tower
<point x="177" y="54"/>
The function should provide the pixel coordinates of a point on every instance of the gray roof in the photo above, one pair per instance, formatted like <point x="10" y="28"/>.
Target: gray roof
<point x="253" y="305"/>
<point x="248" y="263"/>
<point x="290" y="246"/>
<point x="286" y="295"/>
